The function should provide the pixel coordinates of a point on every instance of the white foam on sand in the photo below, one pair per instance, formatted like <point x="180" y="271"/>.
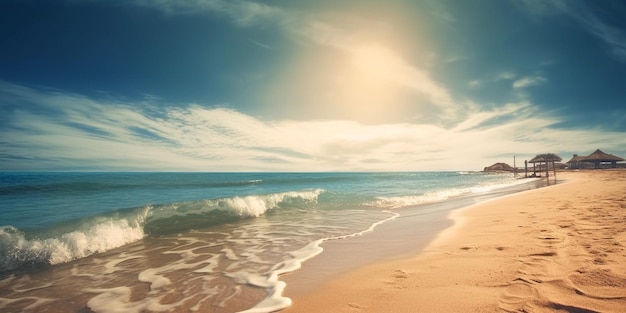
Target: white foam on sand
<point x="275" y="300"/>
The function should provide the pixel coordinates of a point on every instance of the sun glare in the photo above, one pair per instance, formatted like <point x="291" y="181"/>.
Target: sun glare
<point x="376" y="63"/>
<point x="369" y="88"/>
<point x="365" y="82"/>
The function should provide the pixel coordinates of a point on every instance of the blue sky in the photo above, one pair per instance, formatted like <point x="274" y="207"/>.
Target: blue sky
<point x="211" y="85"/>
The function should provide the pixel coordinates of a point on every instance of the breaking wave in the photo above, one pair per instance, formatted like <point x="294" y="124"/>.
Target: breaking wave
<point x="439" y="195"/>
<point x="64" y="243"/>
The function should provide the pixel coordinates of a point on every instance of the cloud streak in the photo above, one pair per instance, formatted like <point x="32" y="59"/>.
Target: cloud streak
<point x="65" y="131"/>
<point x="585" y="16"/>
<point x="528" y="81"/>
<point x="242" y="13"/>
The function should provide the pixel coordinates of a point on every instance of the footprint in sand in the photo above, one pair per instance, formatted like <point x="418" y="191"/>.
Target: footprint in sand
<point x="400" y="274"/>
<point x="599" y="284"/>
<point x="517" y="295"/>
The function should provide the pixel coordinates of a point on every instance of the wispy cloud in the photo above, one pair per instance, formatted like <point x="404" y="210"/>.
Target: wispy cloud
<point x="262" y="45"/>
<point x="505" y="76"/>
<point x="529" y="81"/>
<point x="54" y="130"/>
<point x="242" y="13"/>
<point x="474" y="84"/>
<point x="583" y="13"/>
<point x="615" y="38"/>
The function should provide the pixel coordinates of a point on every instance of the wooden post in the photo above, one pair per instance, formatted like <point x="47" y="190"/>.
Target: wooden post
<point x="554" y="170"/>
<point x="525" y="168"/>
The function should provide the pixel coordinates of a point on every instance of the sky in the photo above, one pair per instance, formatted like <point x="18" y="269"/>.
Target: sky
<point x="351" y="85"/>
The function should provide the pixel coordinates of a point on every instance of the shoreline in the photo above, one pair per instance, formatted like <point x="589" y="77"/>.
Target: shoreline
<point x="550" y="249"/>
<point x="402" y="237"/>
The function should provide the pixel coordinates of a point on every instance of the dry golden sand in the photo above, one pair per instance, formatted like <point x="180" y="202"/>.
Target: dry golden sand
<point x="555" y="249"/>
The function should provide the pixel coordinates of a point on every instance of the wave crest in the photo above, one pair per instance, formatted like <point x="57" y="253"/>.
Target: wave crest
<point x="102" y="233"/>
<point x="258" y="205"/>
<point x="439" y="195"/>
<point x="429" y="197"/>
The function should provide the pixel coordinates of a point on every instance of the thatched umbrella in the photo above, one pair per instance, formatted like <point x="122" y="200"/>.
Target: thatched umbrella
<point x="546" y="158"/>
<point x="598" y="157"/>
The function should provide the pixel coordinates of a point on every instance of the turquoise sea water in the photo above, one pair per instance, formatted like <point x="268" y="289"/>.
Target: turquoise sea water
<point x="213" y="242"/>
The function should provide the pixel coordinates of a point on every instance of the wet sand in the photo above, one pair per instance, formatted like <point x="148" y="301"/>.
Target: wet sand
<point x="559" y="248"/>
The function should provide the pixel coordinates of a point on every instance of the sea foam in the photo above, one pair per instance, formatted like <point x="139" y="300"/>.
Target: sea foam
<point x="440" y="195"/>
<point x="102" y="233"/>
<point x="98" y="237"/>
<point x="275" y="301"/>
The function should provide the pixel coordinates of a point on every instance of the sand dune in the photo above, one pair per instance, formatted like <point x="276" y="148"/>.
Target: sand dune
<point x="556" y="249"/>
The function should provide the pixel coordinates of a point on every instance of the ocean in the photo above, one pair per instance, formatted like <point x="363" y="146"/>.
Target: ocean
<point x="192" y="242"/>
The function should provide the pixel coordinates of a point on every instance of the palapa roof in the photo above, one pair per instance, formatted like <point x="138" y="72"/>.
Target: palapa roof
<point x="545" y="157"/>
<point x="599" y="156"/>
<point x="576" y="158"/>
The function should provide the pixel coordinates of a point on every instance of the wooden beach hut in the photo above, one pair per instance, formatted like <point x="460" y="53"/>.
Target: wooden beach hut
<point x="575" y="161"/>
<point x="545" y="159"/>
<point x="598" y="158"/>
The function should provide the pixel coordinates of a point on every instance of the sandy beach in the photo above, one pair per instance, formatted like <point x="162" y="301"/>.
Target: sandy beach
<point x="556" y="249"/>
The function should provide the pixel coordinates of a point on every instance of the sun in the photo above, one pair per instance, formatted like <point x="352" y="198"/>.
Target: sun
<point x="377" y="63"/>
<point x="368" y="83"/>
